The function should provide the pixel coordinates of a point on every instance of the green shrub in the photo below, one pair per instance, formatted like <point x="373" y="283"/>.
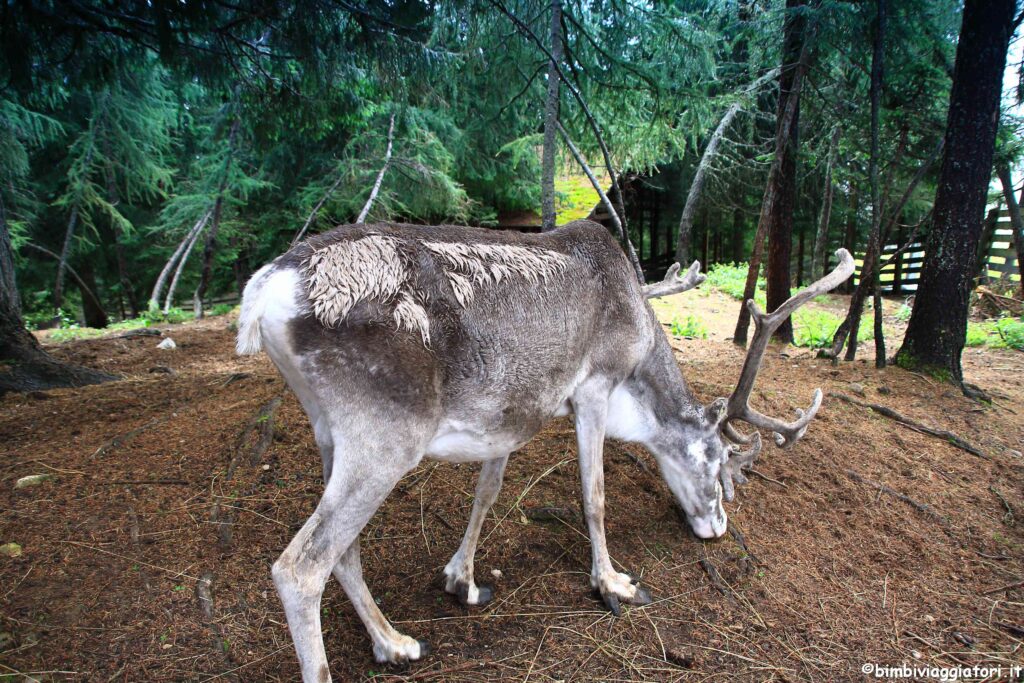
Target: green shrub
<point x="221" y="309"/>
<point x="1010" y="333"/>
<point x="903" y="313"/>
<point x="692" y="328"/>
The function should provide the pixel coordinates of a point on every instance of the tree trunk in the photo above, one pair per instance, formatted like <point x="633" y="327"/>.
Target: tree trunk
<point x="818" y="260"/>
<point x="24" y="365"/>
<point x="616" y="221"/>
<point x="1016" y="224"/>
<point x="127" y="289"/>
<point x="780" y="194"/>
<point x="850" y="238"/>
<point x="935" y="335"/>
<point x="874" y="237"/>
<point x="865" y="281"/>
<point x="549" y="157"/>
<point x="800" y="256"/>
<point x="169" y="301"/>
<point x="375" y="190"/>
<point x="92" y="308"/>
<point x="62" y="262"/>
<point x="211" y="237"/>
<point x="736" y="246"/>
<point x="158" y="288"/>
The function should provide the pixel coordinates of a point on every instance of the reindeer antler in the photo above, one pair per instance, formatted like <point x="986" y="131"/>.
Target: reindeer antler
<point x="738" y="408"/>
<point x="732" y="469"/>
<point x="672" y="284"/>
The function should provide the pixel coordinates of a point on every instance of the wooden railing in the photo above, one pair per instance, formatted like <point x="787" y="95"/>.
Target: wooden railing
<point x="1000" y="261"/>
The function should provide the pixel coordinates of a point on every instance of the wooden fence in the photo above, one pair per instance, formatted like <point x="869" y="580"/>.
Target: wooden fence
<point x="1000" y="261"/>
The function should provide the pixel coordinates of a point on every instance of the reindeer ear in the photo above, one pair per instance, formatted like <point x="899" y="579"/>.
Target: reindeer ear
<point x="716" y="411"/>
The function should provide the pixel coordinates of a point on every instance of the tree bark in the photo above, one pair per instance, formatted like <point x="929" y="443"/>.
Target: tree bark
<point x="1017" y="225"/>
<point x="736" y="241"/>
<point x="62" y="262"/>
<point x="865" y="281"/>
<point x="935" y="336"/>
<point x="699" y="180"/>
<point x="818" y="263"/>
<point x="776" y="219"/>
<point x="547" y="179"/>
<point x="127" y="289"/>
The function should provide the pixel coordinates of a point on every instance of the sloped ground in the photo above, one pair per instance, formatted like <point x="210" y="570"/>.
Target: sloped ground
<point x="119" y="545"/>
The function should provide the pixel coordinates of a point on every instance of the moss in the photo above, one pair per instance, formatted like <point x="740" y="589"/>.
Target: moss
<point x="910" y="362"/>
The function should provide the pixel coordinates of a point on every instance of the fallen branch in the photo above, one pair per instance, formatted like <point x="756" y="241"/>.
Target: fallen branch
<point x="943" y="434"/>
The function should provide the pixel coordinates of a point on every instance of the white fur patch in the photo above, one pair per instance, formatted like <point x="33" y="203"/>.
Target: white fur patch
<point x="698" y="451"/>
<point x="470" y="265"/>
<point x="369" y="269"/>
<point x="374" y="268"/>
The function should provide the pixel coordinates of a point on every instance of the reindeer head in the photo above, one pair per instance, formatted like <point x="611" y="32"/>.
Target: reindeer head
<point x="715" y="452"/>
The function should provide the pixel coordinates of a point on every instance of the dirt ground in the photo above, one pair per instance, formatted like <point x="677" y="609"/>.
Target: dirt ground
<point x="867" y="543"/>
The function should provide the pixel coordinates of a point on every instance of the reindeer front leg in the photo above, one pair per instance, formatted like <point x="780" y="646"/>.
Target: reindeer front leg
<point x="590" y="405"/>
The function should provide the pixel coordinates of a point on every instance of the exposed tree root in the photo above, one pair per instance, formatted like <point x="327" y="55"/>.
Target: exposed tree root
<point x="204" y="596"/>
<point x="126" y="436"/>
<point x="920" y="507"/>
<point x="250" y="450"/>
<point x="715" y="577"/>
<point x="916" y="426"/>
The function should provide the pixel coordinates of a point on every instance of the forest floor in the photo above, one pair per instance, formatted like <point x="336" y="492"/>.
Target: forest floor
<point x="868" y="543"/>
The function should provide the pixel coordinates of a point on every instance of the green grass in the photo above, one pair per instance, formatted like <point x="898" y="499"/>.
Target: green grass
<point x="815" y="329"/>
<point x="730" y="279"/>
<point x="691" y="328"/>
<point x="575" y="198"/>
<point x="71" y="330"/>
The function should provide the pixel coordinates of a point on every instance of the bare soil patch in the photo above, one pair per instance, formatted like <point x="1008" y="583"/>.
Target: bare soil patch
<point x="825" y="571"/>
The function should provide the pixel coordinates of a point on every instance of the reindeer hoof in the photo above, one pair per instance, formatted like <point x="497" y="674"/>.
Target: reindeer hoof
<point x="612" y="601"/>
<point x="477" y="596"/>
<point x="424" y="648"/>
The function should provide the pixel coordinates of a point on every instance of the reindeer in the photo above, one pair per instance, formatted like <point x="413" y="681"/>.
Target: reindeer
<point x="459" y="344"/>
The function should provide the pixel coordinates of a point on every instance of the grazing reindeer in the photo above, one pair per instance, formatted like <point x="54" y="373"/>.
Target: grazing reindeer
<point x="458" y="344"/>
